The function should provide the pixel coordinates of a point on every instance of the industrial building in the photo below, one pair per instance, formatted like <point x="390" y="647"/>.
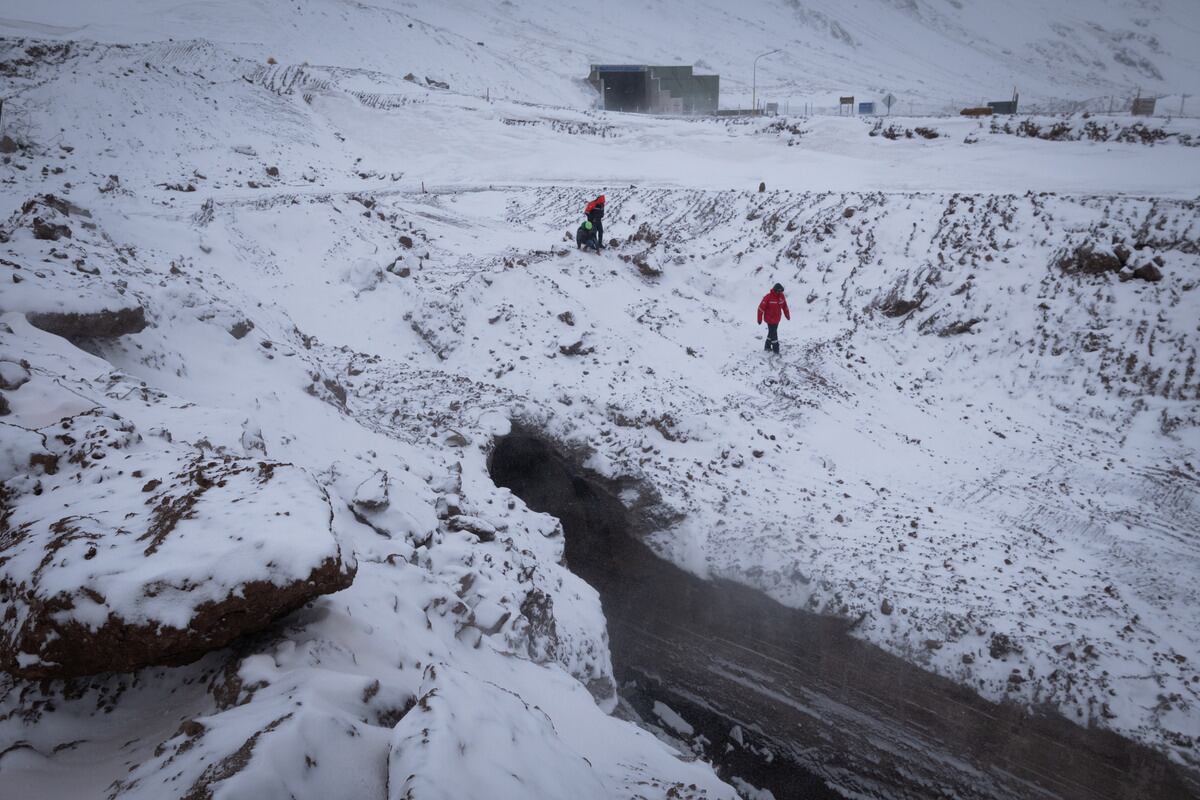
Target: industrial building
<point x="655" y="90"/>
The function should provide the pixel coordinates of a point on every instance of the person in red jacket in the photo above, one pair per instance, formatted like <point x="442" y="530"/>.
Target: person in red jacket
<point x="772" y="309"/>
<point x="594" y="211"/>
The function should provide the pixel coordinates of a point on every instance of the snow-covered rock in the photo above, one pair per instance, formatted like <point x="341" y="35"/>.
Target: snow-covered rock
<point x="220" y="548"/>
<point x="671" y="718"/>
<point x="372" y="493"/>
<point x="469" y="739"/>
<point x="12" y="375"/>
<point x="105" y="323"/>
<point x="121" y="551"/>
<point x="363" y="275"/>
<point x="74" y="303"/>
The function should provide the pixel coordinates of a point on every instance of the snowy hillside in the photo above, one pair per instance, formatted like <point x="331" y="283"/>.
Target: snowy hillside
<point x="260" y="324"/>
<point x="930" y="53"/>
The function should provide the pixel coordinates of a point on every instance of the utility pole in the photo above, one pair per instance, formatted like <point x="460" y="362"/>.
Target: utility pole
<point x="754" y="82"/>
<point x="1182" y="100"/>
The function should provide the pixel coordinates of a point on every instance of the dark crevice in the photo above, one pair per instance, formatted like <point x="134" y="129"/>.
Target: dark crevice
<point x="601" y="550"/>
<point x="819" y="712"/>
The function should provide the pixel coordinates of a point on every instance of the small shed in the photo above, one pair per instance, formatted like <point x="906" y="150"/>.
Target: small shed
<point x="1005" y="106"/>
<point x="655" y="90"/>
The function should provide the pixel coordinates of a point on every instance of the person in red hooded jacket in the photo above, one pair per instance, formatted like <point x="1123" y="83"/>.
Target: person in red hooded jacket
<point x="772" y="309"/>
<point x="595" y="214"/>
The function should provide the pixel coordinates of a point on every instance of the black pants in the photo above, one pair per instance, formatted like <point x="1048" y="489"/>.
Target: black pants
<point x="772" y="342"/>
<point x="599" y="225"/>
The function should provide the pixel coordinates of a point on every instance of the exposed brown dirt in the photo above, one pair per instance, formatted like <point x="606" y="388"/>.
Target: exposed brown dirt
<point x="98" y="324"/>
<point x="73" y="650"/>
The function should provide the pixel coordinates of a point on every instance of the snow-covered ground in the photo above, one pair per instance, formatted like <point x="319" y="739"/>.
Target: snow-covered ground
<point x="980" y="440"/>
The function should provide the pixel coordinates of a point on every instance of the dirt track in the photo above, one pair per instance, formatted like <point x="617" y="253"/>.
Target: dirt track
<point x="823" y="703"/>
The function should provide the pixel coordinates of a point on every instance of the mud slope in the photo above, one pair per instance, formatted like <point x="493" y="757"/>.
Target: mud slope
<point x="866" y="722"/>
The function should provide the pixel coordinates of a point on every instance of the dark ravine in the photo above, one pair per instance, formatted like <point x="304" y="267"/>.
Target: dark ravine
<point x="835" y="714"/>
<point x="749" y="755"/>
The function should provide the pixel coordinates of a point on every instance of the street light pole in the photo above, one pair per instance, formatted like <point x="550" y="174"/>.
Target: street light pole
<point x="754" y="84"/>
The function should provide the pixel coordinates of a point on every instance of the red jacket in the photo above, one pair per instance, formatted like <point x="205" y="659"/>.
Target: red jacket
<point x="772" y="308"/>
<point x="592" y="206"/>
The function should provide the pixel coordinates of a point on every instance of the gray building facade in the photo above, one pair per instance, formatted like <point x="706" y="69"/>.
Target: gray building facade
<point x="646" y="89"/>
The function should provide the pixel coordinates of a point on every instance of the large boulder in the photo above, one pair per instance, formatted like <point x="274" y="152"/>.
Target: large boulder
<point x="104" y="323"/>
<point x="74" y="305"/>
<point x="1148" y="272"/>
<point x="1090" y="259"/>
<point x="161" y="556"/>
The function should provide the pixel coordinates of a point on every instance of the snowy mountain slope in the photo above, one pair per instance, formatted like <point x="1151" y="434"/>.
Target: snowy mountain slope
<point x="307" y="288"/>
<point x="929" y="52"/>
